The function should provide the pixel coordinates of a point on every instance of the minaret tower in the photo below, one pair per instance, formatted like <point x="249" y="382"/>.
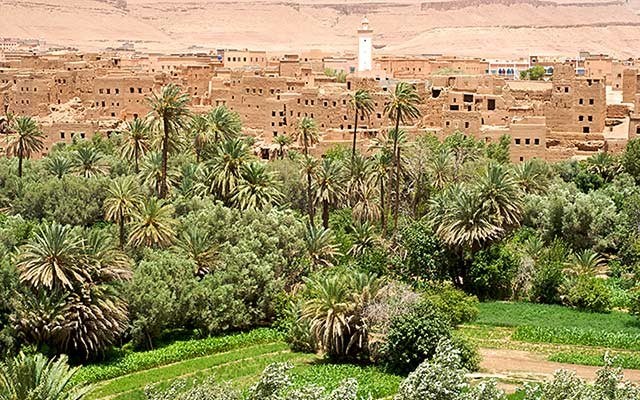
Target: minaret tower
<point x="365" y="35"/>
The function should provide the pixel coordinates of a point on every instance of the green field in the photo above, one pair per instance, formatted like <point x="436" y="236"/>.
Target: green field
<point x="241" y="367"/>
<point x="561" y="334"/>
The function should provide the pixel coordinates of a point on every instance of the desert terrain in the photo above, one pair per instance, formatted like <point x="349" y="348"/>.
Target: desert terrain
<point x="487" y="28"/>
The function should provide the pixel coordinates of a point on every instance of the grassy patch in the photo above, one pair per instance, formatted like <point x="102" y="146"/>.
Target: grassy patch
<point x="578" y="336"/>
<point x="178" y="351"/>
<point x="622" y="360"/>
<point x="553" y="316"/>
<point x="194" y="366"/>
<point x="371" y="380"/>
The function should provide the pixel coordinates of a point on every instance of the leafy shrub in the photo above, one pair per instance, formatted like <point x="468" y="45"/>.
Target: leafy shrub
<point x="159" y="296"/>
<point x="469" y="355"/>
<point x="426" y="258"/>
<point x="589" y="293"/>
<point x="183" y="350"/>
<point x="442" y="378"/>
<point x="547" y="282"/>
<point x="458" y="306"/>
<point x="492" y="272"/>
<point x="413" y="337"/>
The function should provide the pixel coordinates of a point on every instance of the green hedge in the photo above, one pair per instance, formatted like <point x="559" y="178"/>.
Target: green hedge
<point x="178" y="351"/>
<point x="578" y="336"/>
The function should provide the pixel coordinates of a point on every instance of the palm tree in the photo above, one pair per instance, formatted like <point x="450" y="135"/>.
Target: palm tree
<point x="152" y="224"/>
<point x="362" y="104"/>
<point x="199" y="128"/>
<point x="604" y="165"/>
<point x="499" y="192"/>
<point x="226" y="167"/>
<point x="464" y="222"/>
<point x="321" y="246"/>
<point x="151" y="172"/>
<point x="329" y="186"/>
<point x="224" y="124"/>
<point x="169" y="109"/>
<point x="34" y="377"/>
<point x="136" y="140"/>
<point x="440" y="168"/>
<point x="367" y="208"/>
<point x="27" y="139"/>
<point x="309" y="166"/>
<point x="198" y="245"/>
<point x="381" y="169"/>
<point x="359" y="174"/>
<point x="334" y="309"/>
<point x="258" y="187"/>
<point x="402" y="107"/>
<point x="531" y="175"/>
<point x="88" y="162"/>
<point x="58" y="165"/>
<point x="364" y="238"/>
<point x="585" y="263"/>
<point x="122" y="200"/>
<point x="307" y="133"/>
<point x="52" y="259"/>
<point x="282" y="141"/>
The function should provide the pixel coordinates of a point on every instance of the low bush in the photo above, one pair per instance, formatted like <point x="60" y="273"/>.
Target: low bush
<point x="547" y="282"/>
<point x="412" y="338"/>
<point x="589" y="293"/>
<point x="175" y="352"/>
<point x="458" y="306"/>
<point x="492" y="273"/>
<point x="577" y="336"/>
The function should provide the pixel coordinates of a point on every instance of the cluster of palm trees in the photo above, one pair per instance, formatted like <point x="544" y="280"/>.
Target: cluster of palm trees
<point x="70" y="302"/>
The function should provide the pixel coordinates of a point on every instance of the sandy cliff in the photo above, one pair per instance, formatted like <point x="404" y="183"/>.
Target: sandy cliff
<point x="491" y="28"/>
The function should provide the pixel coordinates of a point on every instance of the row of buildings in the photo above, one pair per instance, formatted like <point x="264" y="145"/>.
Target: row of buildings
<point x="584" y="105"/>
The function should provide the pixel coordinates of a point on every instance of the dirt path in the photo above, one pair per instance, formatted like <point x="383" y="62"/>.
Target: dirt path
<point x="525" y="365"/>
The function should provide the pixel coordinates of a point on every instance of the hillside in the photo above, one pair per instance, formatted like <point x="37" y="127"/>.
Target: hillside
<point x="491" y="28"/>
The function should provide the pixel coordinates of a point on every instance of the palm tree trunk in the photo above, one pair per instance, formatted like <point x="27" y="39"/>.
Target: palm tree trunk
<point x="20" y="159"/>
<point x="165" y="156"/>
<point x="121" y="230"/>
<point x="135" y="157"/>
<point x="383" y="217"/>
<point x="281" y="152"/>
<point x="355" y="135"/>
<point x="396" y="155"/>
<point x="325" y="214"/>
<point x="309" y="198"/>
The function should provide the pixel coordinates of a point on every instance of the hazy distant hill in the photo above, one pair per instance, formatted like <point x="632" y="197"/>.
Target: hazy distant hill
<point x="497" y="28"/>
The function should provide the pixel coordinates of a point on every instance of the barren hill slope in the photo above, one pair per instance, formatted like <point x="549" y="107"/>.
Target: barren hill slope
<point x="490" y="28"/>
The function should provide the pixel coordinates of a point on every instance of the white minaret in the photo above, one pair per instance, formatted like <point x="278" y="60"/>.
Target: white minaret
<point x="365" y="35"/>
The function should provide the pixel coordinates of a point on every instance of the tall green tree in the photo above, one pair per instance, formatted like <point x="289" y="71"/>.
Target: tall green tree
<point x="89" y="162"/>
<point x="329" y="186"/>
<point x="122" y="200"/>
<point x="307" y="135"/>
<point x="152" y="224"/>
<point x="282" y="141"/>
<point x="136" y="140"/>
<point x="27" y="139"/>
<point x="362" y="105"/>
<point x="258" y="187"/>
<point x="224" y="124"/>
<point x="226" y="167"/>
<point x="170" y="111"/>
<point x="402" y="107"/>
